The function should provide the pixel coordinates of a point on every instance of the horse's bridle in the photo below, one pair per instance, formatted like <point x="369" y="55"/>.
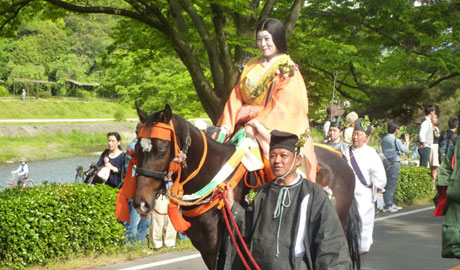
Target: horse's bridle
<point x="165" y="132"/>
<point x="153" y="174"/>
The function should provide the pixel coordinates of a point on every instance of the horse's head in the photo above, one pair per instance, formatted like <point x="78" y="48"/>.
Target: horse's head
<point x="154" y="151"/>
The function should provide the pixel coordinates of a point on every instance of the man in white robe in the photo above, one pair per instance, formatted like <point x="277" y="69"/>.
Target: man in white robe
<point x="370" y="180"/>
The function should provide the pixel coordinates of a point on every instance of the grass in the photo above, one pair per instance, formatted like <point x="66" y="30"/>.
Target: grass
<point x="54" y="108"/>
<point x="99" y="260"/>
<point x="42" y="147"/>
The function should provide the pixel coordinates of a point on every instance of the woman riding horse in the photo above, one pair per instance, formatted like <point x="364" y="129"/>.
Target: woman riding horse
<point x="163" y="134"/>
<point x="270" y="94"/>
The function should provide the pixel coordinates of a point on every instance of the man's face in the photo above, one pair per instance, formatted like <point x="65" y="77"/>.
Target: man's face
<point x="334" y="134"/>
<point x="281" y="161"/>
<point x="359" y="138"/>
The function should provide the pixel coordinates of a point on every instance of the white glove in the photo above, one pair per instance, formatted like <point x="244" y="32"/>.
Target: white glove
<point x="379" y="201"/>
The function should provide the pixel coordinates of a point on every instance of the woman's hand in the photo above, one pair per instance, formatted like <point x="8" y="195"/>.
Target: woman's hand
<point x="111" y="167"/>
<point x="250" y="131"/>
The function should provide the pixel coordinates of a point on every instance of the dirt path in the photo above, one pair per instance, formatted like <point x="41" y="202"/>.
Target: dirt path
<point x="125" y="129"/>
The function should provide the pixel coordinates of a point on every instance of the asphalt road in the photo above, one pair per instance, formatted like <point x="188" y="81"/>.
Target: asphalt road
<point x="409" y="239"/>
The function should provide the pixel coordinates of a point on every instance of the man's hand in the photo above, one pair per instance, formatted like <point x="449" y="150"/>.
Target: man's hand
<point x="130" y="152"/>
<point x="230" y="195"/>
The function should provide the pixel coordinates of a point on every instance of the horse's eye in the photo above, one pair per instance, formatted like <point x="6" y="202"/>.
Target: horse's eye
<point x="162" y="152"/>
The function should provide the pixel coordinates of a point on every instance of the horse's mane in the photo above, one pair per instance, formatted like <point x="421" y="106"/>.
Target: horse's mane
<point x="156" y="117"/>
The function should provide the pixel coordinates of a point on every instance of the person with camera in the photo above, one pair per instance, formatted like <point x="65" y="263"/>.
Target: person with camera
<point x="112" y="161"/>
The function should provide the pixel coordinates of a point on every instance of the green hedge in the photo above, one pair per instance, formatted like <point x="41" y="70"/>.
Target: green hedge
<point x="4" y="91"/>
<point x="54" y="221"/>
<point x="414" y="184"/>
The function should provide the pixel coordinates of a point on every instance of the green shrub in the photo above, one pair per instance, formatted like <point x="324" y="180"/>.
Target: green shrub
<point x="83" y="94"/>
<point x="43" y="223"/>
<point x="119" y="114"/>
<point x="3" y="91"/>
<point x="414" y="184"/>
<point x="46" y="94"/>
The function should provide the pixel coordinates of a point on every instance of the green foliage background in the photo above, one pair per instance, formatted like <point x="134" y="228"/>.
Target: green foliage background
<point x="45" y="223"/>
<point x="390" y="58"/>
<point x="414" y="184"/>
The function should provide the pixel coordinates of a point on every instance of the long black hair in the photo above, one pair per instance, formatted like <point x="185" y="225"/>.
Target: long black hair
<point x="278" y="32"/>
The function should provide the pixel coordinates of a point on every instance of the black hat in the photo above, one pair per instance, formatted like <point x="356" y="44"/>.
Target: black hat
<point x="336" y="122"/>
<point x="285" y="140"/>
<point x="359" y="126"/>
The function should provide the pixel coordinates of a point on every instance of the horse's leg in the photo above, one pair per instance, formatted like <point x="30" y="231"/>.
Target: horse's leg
<point x="205" y="234"/>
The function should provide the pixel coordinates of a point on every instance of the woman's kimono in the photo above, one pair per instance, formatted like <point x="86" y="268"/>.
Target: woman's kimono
<point x="275" y="95"/>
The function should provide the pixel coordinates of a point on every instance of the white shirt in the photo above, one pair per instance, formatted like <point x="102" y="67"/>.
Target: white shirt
<point x="426" y="132"/>
<point x="24" y="171"/>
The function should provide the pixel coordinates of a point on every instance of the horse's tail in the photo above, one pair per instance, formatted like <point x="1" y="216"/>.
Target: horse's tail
<point x="353" y="232"/>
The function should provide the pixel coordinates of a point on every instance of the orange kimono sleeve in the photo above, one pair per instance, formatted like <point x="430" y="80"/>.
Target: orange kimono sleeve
<point x="288" y="107"/>
<point x="232" y="107"/>
<point x="287" y="111"/>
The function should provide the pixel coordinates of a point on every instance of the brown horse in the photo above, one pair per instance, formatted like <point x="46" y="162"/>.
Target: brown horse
<point x="155" y="155"/>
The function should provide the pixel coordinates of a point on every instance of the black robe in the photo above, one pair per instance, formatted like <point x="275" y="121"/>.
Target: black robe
<point x="310" y="235"/>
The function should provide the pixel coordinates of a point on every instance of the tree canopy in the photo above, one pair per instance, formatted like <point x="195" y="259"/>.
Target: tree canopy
<point x="391" y="56"/>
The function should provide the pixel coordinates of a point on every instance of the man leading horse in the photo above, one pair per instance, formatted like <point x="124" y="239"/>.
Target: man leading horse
<point x="291" y="224"/>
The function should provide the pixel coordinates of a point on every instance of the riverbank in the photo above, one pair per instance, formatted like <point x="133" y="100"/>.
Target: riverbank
<point x="62" y="108"/>
<point x="53" y="141"/>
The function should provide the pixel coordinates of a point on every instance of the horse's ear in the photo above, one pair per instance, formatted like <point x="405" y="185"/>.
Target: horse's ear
<point x="167" y="113"/>
<point x="142" y="115"/>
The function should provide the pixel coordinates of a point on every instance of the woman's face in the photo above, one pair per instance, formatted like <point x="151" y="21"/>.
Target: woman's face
<point x="266" y="45"/>
<point x="434" y="119"/>
<point x="113" y="143"/>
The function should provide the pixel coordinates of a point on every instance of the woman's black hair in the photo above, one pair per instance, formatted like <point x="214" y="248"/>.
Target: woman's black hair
<point x="116" y="135"/>
<point x="278" y="32"/>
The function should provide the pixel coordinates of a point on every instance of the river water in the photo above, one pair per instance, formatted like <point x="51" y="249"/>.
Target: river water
<point x="56" y="170"/>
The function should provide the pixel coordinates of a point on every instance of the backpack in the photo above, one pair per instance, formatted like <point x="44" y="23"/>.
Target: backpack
<point x="385" y="161"/>
<point x="446" y="143"/>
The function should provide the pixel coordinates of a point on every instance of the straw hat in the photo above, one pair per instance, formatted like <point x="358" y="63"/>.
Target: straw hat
<point x="23" y="159"/>
<point x="351" y="118"/>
